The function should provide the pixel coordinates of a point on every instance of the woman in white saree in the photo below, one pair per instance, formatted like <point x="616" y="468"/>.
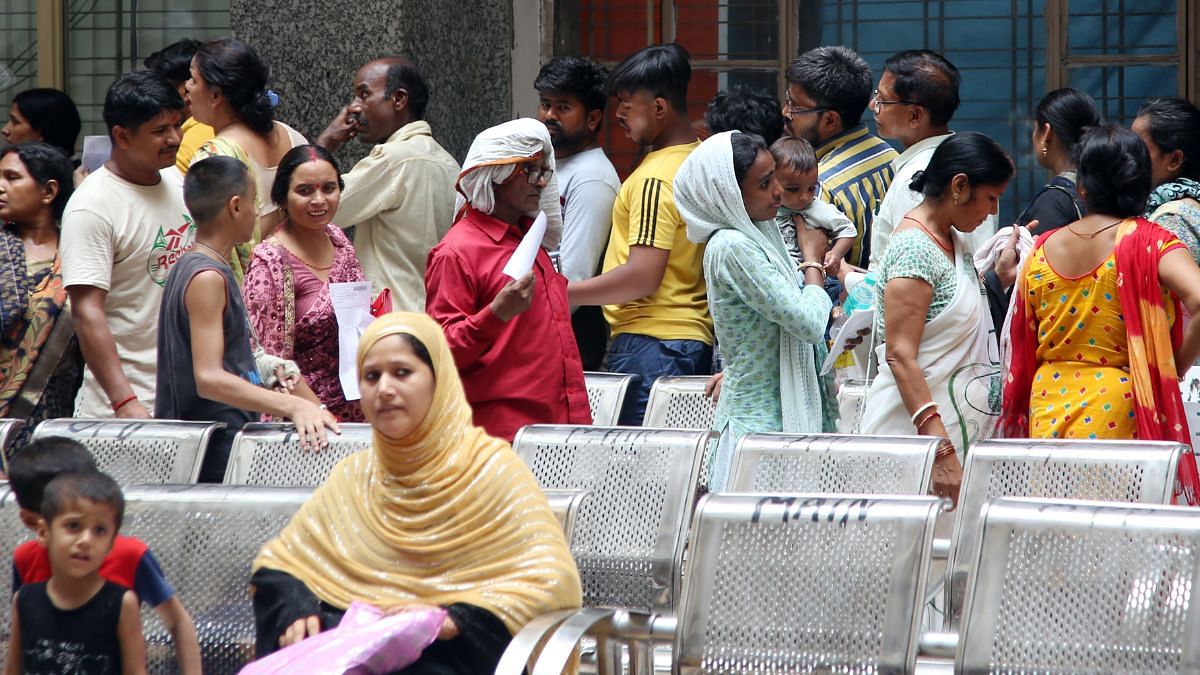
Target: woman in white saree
<point x="938" y="364"/>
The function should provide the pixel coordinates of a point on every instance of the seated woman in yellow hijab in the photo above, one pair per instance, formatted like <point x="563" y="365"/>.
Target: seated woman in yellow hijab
<point x="437" y="513"/>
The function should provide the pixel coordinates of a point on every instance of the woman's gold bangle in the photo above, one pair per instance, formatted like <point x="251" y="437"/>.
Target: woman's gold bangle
<point x="811" y="265"/>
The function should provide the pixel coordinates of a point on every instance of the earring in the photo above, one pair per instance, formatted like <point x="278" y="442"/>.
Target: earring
<point x="956" y="199"/>
<point x="1045" y="151"/>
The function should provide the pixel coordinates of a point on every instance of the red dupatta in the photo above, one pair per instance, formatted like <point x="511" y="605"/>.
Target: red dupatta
<point x="1157" y="403"/>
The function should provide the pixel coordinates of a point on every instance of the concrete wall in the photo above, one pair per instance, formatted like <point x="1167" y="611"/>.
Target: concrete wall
<point x="464" y="48"/>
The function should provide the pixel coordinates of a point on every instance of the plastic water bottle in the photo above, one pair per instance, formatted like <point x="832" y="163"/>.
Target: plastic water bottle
<point x="863" y="295"/>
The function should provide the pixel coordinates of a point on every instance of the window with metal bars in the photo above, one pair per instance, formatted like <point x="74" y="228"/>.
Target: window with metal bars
<point x="18" y="50"/>
<point x="105" y="38"/>
<point x="1122" y="52"/>
<point x="1010" y="52"/>
<point x="733" y="43"/>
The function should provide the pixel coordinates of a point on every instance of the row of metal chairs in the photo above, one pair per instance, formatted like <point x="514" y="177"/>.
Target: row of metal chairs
<point x="675" y="402"/>
<point x="166" y="452"/>
<point x="632" y="531"/>
<point x="612" y="462"/>
<point x="206" y="537"/>
<point x="813" y="583"/>
<point x="634" y="527"/>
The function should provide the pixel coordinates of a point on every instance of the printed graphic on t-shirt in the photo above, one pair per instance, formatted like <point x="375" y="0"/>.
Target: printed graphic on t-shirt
<point x="54" y="656"/>
<point x="169" y="246"/>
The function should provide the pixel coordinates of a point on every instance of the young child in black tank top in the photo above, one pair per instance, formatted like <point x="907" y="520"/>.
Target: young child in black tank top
<point x="77" y="622"/>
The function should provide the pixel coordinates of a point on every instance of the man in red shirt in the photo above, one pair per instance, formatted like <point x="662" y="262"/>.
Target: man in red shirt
<point x="512" y="338"/>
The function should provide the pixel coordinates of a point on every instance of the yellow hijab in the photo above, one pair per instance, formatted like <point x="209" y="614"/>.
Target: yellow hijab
<point x="445" y="515"/>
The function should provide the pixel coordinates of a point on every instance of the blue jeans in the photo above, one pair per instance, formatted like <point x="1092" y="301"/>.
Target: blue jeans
<point x="651" y="358"/>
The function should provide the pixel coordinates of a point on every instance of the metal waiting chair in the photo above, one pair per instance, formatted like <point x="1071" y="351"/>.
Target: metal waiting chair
<point x="206" y="537"/>
<point x="8" y="431"/>
<point x="1059" y="587"/>
<point x="881" y="465"/>
<point x="606" y="395"/>
<point x="136" y="452"/>
<point x="794" y="583"/>
<point x="679" y="403"/>
<point x="564" y="504"/>
<point x="1112" y="471"/>
<point x="12" y="534"/>
<point x="270" y="454"/>
<point x="631" y="530"/>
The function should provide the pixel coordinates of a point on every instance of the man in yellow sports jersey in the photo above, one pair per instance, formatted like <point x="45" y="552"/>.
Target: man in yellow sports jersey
<point x="652" y="286"/>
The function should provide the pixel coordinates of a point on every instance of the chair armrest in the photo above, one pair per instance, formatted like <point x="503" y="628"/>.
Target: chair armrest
<point x="940" y="549"/>
<point x="516" y="656"/>
<point x="941" y="645"/>
<point x="561" y="645"/>
<point x="637" y="630"/>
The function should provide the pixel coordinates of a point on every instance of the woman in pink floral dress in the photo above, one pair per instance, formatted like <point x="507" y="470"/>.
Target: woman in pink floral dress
<point x="287" y="287"/>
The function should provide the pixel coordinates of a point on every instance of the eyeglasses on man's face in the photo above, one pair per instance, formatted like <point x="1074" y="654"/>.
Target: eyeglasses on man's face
<point x="790" y="109"/>
<point x="534" y="173"/>
<point x="878" y="103"/>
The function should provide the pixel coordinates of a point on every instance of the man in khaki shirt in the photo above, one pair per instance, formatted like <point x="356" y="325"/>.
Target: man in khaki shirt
<point x="400" y="198"/>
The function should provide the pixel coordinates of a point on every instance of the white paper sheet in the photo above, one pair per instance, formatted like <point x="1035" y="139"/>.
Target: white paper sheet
<point x="96" y="150"/>
<point x="522" y="259"/>
<point x="860" y="320"/>
<point x="352" y="307"/>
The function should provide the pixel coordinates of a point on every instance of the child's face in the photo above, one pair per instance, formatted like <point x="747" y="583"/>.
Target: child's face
<point x="79" y="537"/>
<point x="799" y="188"/>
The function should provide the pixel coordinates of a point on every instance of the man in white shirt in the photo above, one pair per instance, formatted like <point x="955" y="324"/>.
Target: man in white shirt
<point x="399" y="198"/>
<point x="916" y="97"/>
<point x="571" y="101"/>
<point x="123" y="229"/>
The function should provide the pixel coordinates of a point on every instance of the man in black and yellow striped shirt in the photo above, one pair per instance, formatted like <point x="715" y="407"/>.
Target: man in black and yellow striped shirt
<point x="828" y="91"/>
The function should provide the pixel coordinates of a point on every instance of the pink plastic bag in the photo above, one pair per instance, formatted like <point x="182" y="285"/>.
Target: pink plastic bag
<point x="365" y="643"/>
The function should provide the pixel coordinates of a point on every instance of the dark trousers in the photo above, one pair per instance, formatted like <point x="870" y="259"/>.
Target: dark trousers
<point x="651" y="359"/>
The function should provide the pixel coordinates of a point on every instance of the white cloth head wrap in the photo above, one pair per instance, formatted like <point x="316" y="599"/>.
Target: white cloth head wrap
<point x="709" y="198"/>
<point x="491" y="159"/>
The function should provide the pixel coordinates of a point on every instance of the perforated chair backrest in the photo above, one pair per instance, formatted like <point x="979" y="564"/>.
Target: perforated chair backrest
<point x="679" y="403"/>
<point x="815" y="583"/>
<point x="1111" y="471"/>
<point x="630" y="532"/>
<point x="12" y="533"/>
<point x="270" y="454"/>
<point x="881" y="465"/>
<point x="1083" y="587"/>
<point x="565" y="506"/>
<point x="606" y="395"/>
<point x="137" y="452"/>
<point x="8" y="430"/>
<point x="206" y="537"/>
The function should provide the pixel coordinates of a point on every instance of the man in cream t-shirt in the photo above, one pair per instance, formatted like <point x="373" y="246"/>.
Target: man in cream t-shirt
<point x="122" y="231"/>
